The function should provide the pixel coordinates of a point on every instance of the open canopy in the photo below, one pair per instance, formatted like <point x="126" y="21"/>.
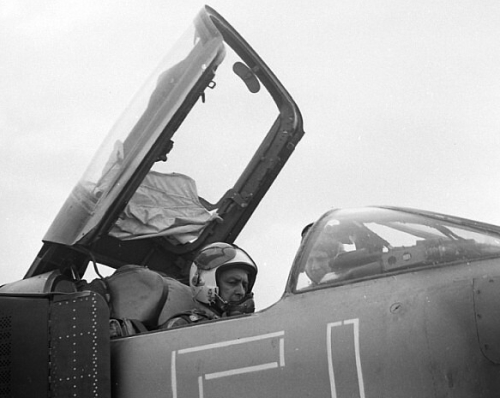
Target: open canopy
<point x="145" y="200"/>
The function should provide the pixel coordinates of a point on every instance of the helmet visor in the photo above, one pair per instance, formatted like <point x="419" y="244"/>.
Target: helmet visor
<point x="214" y="256"/>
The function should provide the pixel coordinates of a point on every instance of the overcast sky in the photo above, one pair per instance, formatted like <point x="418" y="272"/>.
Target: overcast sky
<point x="400" y="99"/>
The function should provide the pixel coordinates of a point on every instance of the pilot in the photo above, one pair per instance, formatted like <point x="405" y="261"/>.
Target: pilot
<point x="221" y="280"/>
<point x="320" y="260"/>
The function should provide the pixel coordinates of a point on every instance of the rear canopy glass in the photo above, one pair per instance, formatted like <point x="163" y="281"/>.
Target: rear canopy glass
<point x="348" y="245"/>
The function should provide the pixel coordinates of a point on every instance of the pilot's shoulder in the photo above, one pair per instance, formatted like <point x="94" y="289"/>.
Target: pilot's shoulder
<point x="186" y="318"/>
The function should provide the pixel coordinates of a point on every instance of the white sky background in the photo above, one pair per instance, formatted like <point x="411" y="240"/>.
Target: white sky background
<point x="400" y="99"/>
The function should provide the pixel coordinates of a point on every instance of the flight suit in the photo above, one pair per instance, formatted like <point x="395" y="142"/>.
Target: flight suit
<point x="200" y="314"/>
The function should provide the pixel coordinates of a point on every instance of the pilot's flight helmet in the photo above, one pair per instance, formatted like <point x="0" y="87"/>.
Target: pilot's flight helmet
<point x="210" y="262"/>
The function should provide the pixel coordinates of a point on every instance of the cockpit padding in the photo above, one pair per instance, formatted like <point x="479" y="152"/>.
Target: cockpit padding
<point x="179" y="300"/>
<point x="136" y="293"/>
<point x="133" y="292"/>
<point x="164" y="205"/>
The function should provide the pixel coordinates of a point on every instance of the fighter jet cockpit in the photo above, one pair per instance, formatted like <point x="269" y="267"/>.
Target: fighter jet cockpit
<point x="354" y="244"/>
